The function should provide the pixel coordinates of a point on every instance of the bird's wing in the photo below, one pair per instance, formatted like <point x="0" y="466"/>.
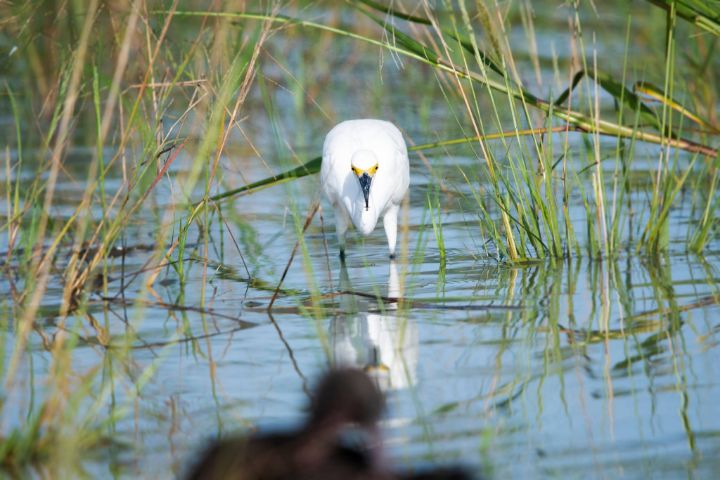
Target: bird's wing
<point x="333" y="171"/>
<point x="402" y="167"/>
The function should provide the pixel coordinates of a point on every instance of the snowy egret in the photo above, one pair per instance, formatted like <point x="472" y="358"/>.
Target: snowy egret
<point x="365" y="174"/>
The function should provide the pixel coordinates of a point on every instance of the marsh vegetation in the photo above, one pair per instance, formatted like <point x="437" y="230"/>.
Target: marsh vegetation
<point x="169" y="272"/>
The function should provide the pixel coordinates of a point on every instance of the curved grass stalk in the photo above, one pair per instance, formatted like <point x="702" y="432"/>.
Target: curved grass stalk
<point x="312" y="166"/>
<point x="702" y="13"/>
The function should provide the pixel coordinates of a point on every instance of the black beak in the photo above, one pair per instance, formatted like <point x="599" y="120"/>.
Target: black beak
<point x="365" y="181"/>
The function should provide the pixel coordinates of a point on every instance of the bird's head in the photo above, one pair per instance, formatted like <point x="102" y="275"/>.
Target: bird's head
<point x="364" y="165"/>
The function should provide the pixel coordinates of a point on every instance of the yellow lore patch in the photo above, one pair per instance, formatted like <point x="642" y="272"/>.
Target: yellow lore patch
<point x="359" y="171"/>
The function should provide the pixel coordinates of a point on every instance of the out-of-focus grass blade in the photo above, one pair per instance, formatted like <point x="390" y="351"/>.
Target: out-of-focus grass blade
<point x="704" y="14"/>
<point x="652" y="91"/>
<point x="391" y="11"/>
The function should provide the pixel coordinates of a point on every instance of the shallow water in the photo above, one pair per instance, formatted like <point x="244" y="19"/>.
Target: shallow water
<point x="581" y="369"/>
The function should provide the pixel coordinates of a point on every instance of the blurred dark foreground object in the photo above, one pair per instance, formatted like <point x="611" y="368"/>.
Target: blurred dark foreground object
<point x="347" y="405"/>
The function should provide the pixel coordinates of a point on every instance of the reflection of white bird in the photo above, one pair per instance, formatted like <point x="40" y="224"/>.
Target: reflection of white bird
<point x="365" y="174"/>
<point x="385" y="345"/>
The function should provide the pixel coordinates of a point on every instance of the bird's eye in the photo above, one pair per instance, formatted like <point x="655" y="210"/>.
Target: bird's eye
<point x="372" y="170"/>
<point x="356" y="171"/>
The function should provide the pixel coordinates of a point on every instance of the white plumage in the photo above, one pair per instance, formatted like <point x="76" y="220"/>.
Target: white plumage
<point x="365" y="174"/>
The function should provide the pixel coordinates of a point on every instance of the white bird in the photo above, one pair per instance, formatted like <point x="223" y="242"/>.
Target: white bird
<point x="365" y="174"/>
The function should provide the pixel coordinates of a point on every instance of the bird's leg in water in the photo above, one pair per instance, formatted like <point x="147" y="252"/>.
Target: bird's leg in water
<point x="342" y="222"/>
<point x="390" y="224"/>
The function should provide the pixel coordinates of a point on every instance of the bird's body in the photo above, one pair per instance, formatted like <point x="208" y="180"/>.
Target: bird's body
<point x="365" y="175"/>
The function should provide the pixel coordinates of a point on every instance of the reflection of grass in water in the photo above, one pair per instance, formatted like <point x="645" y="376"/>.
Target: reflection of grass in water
<point x="436" y="217"/>
<point x="558" y="341"/>
<point x="120" y="92"/>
